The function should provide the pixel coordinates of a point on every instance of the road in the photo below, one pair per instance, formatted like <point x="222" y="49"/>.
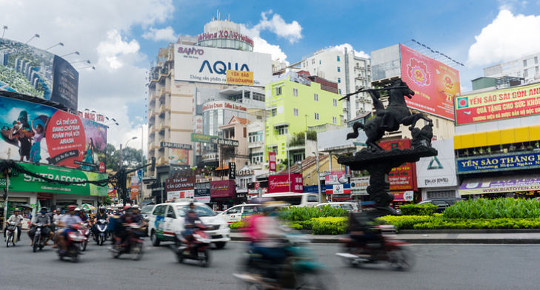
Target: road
<point x="437" y="267"/>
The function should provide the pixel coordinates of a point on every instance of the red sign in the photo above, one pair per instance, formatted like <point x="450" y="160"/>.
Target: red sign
<point x="335" y="177"/>
<point x="180" y="183"/>
<point x="272" y="161"/>
<point x="434" y="83"/>
<point x="111" y="193"/>
<point x="281" y="183"/>
<point x="404" y="176"/>
<point x="498" y="104"/>
<point x="65" y="139"/>
<point x="222" y="188"/>
<point x="134" y="192"/>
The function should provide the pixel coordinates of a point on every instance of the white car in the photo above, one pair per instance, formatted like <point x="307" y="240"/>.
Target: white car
<point x="167" y="220"/>
<point x="237" y="212"/>
<point x="349" y="206"/>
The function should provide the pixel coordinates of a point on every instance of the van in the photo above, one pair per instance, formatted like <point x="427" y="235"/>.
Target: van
<point x="295" y="198"/>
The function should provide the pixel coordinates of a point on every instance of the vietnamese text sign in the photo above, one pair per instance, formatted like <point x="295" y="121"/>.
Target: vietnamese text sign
<point x="434" y="83"/>
<point x="498" y="163"/>
<point x="281" y="183"/>
<point x="175" y="145"/>
<point x="244" y="78"/>
<point x="222" y="188"/>
<point x="402" y="177"/>
<point x="359" y="185"/>
<point x="498" y="104"/>
<point x="272" y="161"/>
<point x="178" y="183"/>
<point x="503" y="184"/>
<point x="202" y="192"/>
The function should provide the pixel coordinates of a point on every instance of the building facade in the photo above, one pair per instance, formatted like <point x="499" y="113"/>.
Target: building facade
<point x="527" y="68"/>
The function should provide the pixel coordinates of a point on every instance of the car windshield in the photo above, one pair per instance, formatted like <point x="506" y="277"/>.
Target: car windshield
<point x="147" y="209"/>
<point x="201" y="210"/>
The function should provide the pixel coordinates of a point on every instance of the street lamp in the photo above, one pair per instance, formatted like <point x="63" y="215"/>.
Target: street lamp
<point x="34" y="36"/>
<point x="4" y="30"/>
<point x="60" y="43"/>
<point x="75" y="52"/>
<point x="122" y="152"/>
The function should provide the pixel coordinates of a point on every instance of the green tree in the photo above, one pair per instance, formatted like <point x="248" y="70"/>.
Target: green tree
<point x="131" y="157"/>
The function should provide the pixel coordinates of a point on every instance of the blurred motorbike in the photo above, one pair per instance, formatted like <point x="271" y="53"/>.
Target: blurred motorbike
<point x="101" y="231"/>
<point x="73" y="242"/>
<point x="197" y="249"/>
<point x="11" y="234"/>
<point x="133" y="244"/>
<point x="39" y="238"/>
<point x="85" y="231"/>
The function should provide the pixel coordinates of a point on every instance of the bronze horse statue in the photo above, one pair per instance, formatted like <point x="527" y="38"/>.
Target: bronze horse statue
<point x="388" y="119"/>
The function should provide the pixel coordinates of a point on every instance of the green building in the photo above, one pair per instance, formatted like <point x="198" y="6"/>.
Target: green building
<point x="296" y="102"/>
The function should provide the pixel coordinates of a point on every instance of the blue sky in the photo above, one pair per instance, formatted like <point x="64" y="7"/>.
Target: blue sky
<point x="122" y="38"/>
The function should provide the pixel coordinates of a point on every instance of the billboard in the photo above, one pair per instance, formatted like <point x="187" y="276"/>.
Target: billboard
<point x="41" y="134"/>
<point x="222" y="188"/>
<point x="402" y="177"/>
<point x="281" y="183"/>
<point x="210" y="65"/>
<point x="440" y="170"/>
<point x="434" y="83"/>
<point x="498" y="104"/>
<point x="503" y="162"/>
<point x="202" y="192"/>
<point x="31" y="71"/>
<point x="178" y="156"/>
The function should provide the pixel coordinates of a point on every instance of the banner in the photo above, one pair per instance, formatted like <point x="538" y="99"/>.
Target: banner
<point x="202" y="192"/>
<point x="134" y="193"/>
<point x="434" y="83"/>
<point x="272" y="161"/>
<point x="517" y="161"/>
<point x="402" y="177"/>
<point x="498" y="104"/>
<point x="281" y="183"/>
<point x="222" y="188"/>
<point x="41" y="134"/>
<point x="500" y="185"/>
<point x="440" y="170"/>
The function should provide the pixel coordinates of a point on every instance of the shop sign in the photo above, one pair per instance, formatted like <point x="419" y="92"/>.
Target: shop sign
<point x="506" y="184"/>
<point x="222" y="188"/>
<point x="359" y="185"/>
<point x="402" y="177"/>
<point x="175" y="145"/>
<point x="272" y="161"/>
<point x="281" y="183"/>
<point x="202" y="192"/>
<point x="338" y="188"/>
<point x="403" y="195"/>
<point x="180" y="194"/>
<point x="335" y="177"/>
<point x="180" y="183"/>
<point x="504" y="162"/>
<point x="440" y="170"/>
<point x="244" y="78"/>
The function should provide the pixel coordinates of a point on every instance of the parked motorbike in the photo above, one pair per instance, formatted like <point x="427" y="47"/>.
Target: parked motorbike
<point x="11" y="234"/>
<point x="85" y="231"/>
<point x="389" y="249"/>
<point x="73" y="241"/>
<point x="101" y="231"/>
<point x="39" y="238"/>
<point x="299" y="271"/>
<point x="197" y="249"/>
<point x="133" y="243"/>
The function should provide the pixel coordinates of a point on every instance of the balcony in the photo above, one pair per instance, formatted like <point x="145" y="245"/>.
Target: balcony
<point x="256" y="144"/>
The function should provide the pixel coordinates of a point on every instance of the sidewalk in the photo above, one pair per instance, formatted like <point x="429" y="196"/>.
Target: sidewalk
<point x="439" y="238"/>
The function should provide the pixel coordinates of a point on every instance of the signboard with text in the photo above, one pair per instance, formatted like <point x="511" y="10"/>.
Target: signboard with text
<point x="281" y="183"/>
<point x="402" y="177"/>
<point x="272" y="161"/>
<point x="244" y="78"/>
<point x="502" y="162"/>
<point x="440" y="170"/>
<point x="222" y="188"/>
<point x="202" y="192"/>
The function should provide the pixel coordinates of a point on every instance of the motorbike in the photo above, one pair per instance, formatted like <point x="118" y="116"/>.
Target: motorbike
<point x="299" y="271"/>
<point x="73" y="241"/>
<point x="101" y="231"/>
<point x="39" y="238"/>
<point x="11" y="234"/>
<point x="133" y="244"/>
<point x="389" y="249"/>
<point x="85" y="231"/>
<point x="197" y="249"/>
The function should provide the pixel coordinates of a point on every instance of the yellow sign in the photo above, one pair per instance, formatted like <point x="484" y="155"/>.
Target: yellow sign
<point x="237" y="77"/>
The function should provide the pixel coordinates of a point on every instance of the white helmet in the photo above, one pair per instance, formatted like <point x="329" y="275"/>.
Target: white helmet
<point x="77" y="209"/>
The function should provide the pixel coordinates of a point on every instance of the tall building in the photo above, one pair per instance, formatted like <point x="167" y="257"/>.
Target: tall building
<point x="190" y="74"/>
<point x="349" y="70"/>
<point x="527" y="68"/>
<point x="296" y="102"/>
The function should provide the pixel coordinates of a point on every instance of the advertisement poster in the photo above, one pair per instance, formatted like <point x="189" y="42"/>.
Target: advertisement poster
<point x="202" y="192"/>
<point x="498" y="104"/>
<point x="41" y="134"/>
<point x="499" y="185"/>
<point x="31" y="71"/>
<point x="434" y="83"/>
<point x="404" y="176"/>
<point x="440" y="170"/>
<point x="222" y="189"/>
<point x="272" y="161"/>
<point x="280" y="183"/>
<point x="178" y="156"/>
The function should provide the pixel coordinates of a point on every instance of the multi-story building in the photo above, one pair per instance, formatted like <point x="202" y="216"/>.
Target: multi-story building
<point x="527" y="68"/>
<point x="349" y="70"/>
<point x="295" y="102"/>
<point x="187" y="75"/>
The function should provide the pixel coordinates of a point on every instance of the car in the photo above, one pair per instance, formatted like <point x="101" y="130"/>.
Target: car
<point x="167" y="220"/>
<point x="349" y="206"/>
<point x="238" y="212"/>
<point x="147" y="210"/>
<point x="441" y="204"/>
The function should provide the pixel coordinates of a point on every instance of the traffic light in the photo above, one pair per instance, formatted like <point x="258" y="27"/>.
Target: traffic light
<point x="153" y="163"/>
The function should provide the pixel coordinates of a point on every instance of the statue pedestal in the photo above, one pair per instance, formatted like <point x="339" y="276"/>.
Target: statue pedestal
<point x="379" y="164"/>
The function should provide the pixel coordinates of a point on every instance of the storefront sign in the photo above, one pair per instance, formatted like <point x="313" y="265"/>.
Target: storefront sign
<point x="359" y="185"/>
<point x="176" y="145"/>
<point x="272" y="161"/>
<point x="202" y="192"/>
<point x="338" y="188"/>
<point x="504" y="162"/>
<point x="244" y="78"/>
<point x="499" y="185"/>
<point x="402" y="177"/>
<point x="440" y="170"/>
<point x="498" y="104"/>
<point x="180" y="183"/>
<point x="403" y="195"/>
<point x="180" y="194"/>
<point x="222" y="188"/>
<point x="223" y="105"/>
<point x="335" y="177"/>
<point x="281" y="183"/>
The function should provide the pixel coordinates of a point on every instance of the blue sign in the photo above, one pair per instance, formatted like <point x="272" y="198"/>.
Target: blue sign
<point x="311" y="188"/>
<point x="498" y="162"/>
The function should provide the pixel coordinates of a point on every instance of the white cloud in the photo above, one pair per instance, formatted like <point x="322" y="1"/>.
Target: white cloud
<point x="508" y="37"/>
<point x="349" y="47"/>
<point x="290" y="31"/>
<point x="112" y="50"/>
<point x="165" y="34"/>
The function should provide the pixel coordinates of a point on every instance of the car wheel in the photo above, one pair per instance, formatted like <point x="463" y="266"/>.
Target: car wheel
<point x="220" y="245"/>
<point x="154" y="239"/>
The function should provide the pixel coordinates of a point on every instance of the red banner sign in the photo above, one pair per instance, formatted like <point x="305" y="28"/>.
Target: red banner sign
<point x="281" y="183"/>
<point x="404" y="176"/>
<point x="180" y="183"/>
<point x="434" y="83"/>
<point x="272" y="161"/>
<point x="222" y="188"/>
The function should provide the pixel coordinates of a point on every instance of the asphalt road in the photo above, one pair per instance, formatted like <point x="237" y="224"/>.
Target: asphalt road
<point x="437" y="267"/>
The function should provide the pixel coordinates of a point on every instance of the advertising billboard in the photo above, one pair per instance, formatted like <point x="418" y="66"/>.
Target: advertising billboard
<point x="281" y="183"/>
<point x="434" y="83"/>
<point x="498" y="104"/>
<point x="222" y="188"/>
<point x="210" y="65"/>
<point x="202" y="192"/>
<point x="402" y="177"/>
<point x="41" y="134"/>
<point x="31" y="71"/>
<point x="178" y="156"/>
<point x="502" y="162"/>
<point x="440" y="170"/>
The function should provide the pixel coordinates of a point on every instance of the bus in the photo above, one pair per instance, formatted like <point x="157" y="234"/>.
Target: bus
<point x="295" y="198"/>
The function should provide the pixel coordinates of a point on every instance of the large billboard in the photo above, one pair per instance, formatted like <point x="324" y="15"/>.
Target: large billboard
<point x="31" y="71"/>
<point x="402" y="177"/>
<point x="434" y="83"/>
<point x="498" y="104"/>
<point x="210" y="65"/>
<point x="440" y="170"/>
<point x="41" y="134"/>
<point x="282" y="183"/>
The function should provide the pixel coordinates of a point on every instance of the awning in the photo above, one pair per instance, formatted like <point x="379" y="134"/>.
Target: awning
<point x="225" y="167"/>
<point x="499" y="184"/>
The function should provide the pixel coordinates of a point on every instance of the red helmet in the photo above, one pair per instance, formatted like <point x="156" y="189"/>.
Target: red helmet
<point x="71" y="207"/>
<point x="127" y="207"/>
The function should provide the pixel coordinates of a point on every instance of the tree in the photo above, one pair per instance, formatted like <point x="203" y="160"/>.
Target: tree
<point x="131" y="157"/>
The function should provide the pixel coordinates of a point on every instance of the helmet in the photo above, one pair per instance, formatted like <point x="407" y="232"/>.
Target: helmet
<point x="16" y="210"/>
<point x="44" y="209"/>
<point x="72" y="207"/>
<point x="127" y="207"/>
<point x="77" y="209"/>
<point x="135" y="206"/>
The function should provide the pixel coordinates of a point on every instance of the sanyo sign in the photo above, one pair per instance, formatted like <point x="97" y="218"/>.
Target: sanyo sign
<point x="210" y="65"/>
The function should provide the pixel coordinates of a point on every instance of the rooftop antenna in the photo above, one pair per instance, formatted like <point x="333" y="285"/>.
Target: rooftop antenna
<point x="218" y="15"/>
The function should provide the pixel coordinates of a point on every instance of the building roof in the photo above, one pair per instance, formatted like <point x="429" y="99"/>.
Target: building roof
<point x="306" y="163"/>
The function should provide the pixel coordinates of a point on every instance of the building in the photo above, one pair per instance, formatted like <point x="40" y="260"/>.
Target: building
<point x="349" y="70"/>
<point x="187" y="76"/>
<point x="497" y="142"/>
<point x="526" y="68"/>
<point x="435" y="84"/>
<point x="295" y="102"/>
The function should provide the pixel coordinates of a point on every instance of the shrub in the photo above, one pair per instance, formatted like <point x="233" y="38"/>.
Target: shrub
<point x="418" y="209"/>
<point x="494" y="208"/>
<point x="499" y="223"/>
<point x="296" y="226"/>
<point x="329" y="225"/>
<point x="295" y="214"/>
<point x="406" y="221"/>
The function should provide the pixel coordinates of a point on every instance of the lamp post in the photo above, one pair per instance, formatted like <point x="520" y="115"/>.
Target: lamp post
<point x="4" y="30"/>
<point x="318" y="173"/>
<point x="60" y="43"/>
<point x="75" y="52"/>
<point x="34" y="36"/>
<point x="122" y="153"/>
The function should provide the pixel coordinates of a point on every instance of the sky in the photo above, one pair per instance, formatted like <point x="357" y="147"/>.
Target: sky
<point x="121" y="39"/>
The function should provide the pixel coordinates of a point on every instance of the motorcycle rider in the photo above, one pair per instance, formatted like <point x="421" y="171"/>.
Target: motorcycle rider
<point x="101" y="215"/>
<point x="361" y="229"/>
<point x="41" y="218"/>
<point x="120" y="225"/>
<point x="82" y="215"/>
<point x="67" y="221"/>
<point x="190" y="223"/>
<point x="17" y="218"/>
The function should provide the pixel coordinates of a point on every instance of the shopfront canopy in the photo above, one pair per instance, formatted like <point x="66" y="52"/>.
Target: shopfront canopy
<point x="499" y="184"/>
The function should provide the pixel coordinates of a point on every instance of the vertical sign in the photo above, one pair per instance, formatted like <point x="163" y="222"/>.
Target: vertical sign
<point x="232" y="170"/>
<point x="272" y="161"/>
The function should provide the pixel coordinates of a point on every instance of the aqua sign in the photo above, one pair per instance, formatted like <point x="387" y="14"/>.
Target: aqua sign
<point x="516" y="161"/>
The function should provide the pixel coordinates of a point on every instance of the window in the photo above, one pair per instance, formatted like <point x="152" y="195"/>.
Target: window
<point x="334" y="120"/>
<point x="339" y="91"/>
<point x="233" y="210"/>
<point x="255" y="136"/>
<point x="524" y="63"/>
<point x="283" y="130"/>
<point x="274" y="112"/>
<point x="320" y="61"/>
<point x="334" y="102"/>
<point x="313" y="61"/>
<point x="316" y="116"/>
<point x="316" y="97"/>
<point x="278" y="91"/>
<point x="339" y="80"/>
<point x="338" y="59"/>
<point x="338" y="69"/>
<point x="295" y="92"/>
<point x="536" y="60"/>
<point x="160" y="210"/>
<point x="257" y="158"/>
<point x="295" y="111"/>
<point x="170" y="213"/>
<point x="525" y="73"/>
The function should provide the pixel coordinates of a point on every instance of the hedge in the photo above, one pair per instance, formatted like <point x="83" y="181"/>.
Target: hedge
<point x="295" y="214"/>
<point x="499" y="223"/>
<point x="406" y="221"/>
<point x="483" y="208"/>
<point x="329" y="225"/>
<point x="418" y="209"/>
